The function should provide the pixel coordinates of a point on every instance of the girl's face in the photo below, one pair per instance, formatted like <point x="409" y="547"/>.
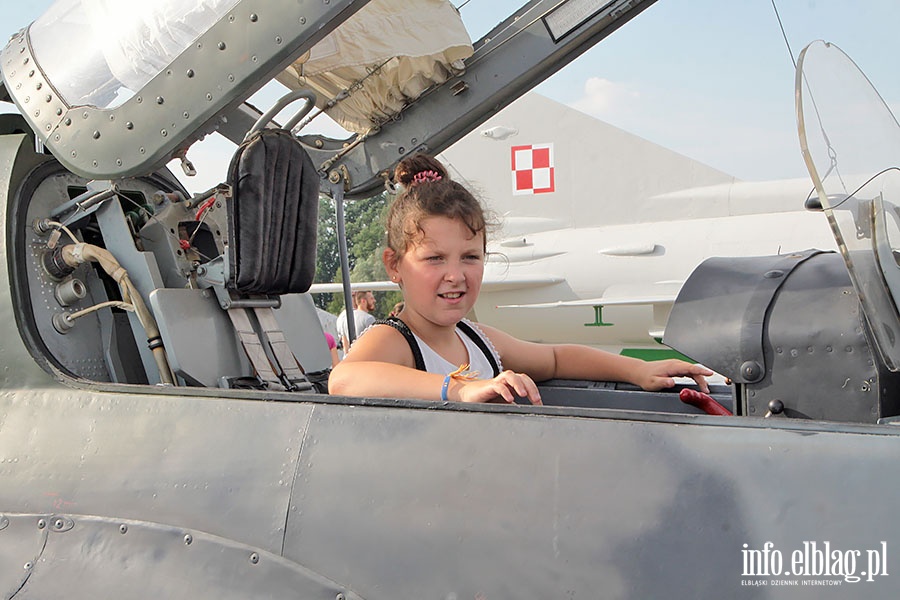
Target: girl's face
<point x="441" y="271"/>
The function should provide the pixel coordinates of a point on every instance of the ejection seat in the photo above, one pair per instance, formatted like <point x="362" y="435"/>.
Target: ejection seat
<point x="271" y="199"/>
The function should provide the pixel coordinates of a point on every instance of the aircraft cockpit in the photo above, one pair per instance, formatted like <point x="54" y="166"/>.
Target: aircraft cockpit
<point x="122" y="276"/>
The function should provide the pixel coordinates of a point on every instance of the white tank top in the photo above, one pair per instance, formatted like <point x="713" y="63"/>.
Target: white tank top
<point x="435" y="363"/>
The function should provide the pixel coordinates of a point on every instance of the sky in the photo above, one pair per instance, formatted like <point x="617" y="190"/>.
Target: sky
<point x="711" y="79"/>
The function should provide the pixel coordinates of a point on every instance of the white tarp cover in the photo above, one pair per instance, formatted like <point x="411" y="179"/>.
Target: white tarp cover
<point x="416" y="44"/>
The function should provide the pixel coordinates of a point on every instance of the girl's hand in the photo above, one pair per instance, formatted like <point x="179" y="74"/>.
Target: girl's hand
<point x="659" y="374"/>
<point x="507" y="385"/>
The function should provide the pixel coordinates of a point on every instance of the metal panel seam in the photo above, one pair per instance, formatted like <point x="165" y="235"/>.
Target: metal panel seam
<point x="287" y="511"/>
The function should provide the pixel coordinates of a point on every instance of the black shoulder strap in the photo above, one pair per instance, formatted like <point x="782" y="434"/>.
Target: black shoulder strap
<point x="403" y="328"/>
<point x="479" y="341"/>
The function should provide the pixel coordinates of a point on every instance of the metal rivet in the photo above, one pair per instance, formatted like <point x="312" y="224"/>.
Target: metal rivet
<point x="96" y="135"/>
<point x="254" y="18"/>
<point x="160" y="100"/>
<point x="231" y="18"/>
<point x="139" y="99"/>
<point x="68" y="121"/>
<point x="190" y="73"/>
<point x="85" y="115"/>
<point x="186" y="115"/>
<point x="59" y="523"/>
<point x="303" y="20"/>
<point x="129" y="125"/>
<point x="751" y="371"/>
<point x="118" y="162"/>
<point x="254" y="558"/>
<point x="209" y="97"/>
<point x="339" y="597"/>
<point x="141" y="150"/>
<point x="41" y="523"/>
<point x="277" y="39"/>
<point x="188" y="538"/>
<point x="221" y="45"/>
<point x="164" y="133"/>
<point x="48" y="98"/>
<point x="58" y="112"/>
<point x="39" y="85"/>
<point x="123" y="528"/>
<point x="28" y="566"/>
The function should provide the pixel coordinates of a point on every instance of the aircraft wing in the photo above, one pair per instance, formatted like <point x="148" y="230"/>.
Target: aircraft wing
<point x="374" y="286"/>
<point x="488" y="285"/>
<point x="618" y="295"/>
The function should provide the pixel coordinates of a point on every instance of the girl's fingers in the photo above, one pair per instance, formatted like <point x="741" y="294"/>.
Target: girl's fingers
<point x="522" y="384"/>
<point x="701" y="383"/>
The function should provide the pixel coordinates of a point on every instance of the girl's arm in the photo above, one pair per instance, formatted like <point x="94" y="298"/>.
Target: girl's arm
<point x="572" y="361"/>
<point x="381" y="364"/>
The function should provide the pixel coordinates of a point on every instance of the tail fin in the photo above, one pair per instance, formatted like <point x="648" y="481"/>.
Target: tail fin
<point x="541" y="165"/>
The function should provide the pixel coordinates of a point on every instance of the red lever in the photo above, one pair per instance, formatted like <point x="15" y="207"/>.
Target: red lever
<point x="704" y="402"/>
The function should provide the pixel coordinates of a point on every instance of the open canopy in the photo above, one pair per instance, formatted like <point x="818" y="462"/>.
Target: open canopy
<point x="101" y="53"/>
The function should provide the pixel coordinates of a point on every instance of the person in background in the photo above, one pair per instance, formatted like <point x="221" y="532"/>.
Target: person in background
<point x="364" y="304"/>
<point x="332" y="347"/>
<point x="398" y="308"/>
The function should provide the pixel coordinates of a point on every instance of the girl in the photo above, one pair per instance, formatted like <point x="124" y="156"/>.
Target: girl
<point x="435" y="251"/>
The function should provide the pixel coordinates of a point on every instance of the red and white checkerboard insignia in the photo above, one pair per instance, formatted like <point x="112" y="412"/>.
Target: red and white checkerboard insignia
<point x="532" y="169"/>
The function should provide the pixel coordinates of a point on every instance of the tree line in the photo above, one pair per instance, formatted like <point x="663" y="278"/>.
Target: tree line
<point x="364" y="224"/>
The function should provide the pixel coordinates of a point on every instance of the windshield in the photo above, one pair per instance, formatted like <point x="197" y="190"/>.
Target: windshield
<point x="851" y="145"/>
<point x="100" y="52"/>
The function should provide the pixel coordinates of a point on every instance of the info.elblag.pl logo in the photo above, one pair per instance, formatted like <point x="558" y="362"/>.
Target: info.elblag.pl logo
<point x="813" y="563"/>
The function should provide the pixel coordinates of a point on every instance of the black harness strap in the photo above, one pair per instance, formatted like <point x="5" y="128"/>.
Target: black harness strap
<point x="404" y="329"/>
<point x="479" y="341"/>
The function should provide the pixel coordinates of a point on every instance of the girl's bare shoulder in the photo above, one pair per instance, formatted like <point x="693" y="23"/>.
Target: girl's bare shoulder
<point x="382" y="343"/>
